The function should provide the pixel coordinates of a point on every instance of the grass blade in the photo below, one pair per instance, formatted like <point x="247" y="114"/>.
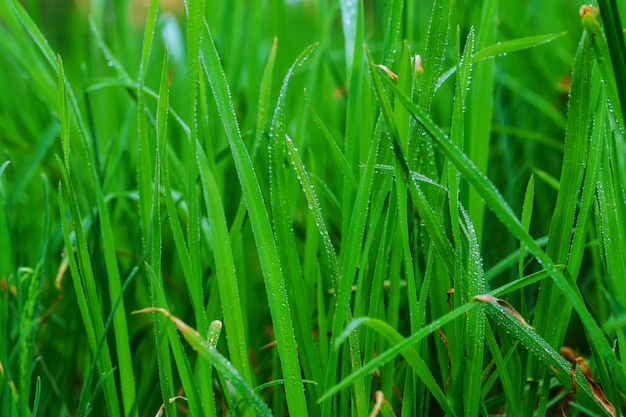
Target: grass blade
<point x="274" y="280"/>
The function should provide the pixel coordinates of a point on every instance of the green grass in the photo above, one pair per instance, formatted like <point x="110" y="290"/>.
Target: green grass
<point x="308" y="221"/>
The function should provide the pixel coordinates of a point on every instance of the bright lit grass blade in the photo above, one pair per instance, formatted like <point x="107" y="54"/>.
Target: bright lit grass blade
<point x="259" y="220"/>
<point x="283" y="228"/>
<point x="316" y="210"/>
<point x="494" y="200"/>
<point x="206" y="349"/>
<point x="351" y="29"/>
<point x="514" y="45"/>
<point x="502" y="49"/>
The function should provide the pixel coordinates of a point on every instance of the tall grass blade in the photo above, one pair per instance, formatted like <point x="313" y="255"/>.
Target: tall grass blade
<point x="259" y="219"/>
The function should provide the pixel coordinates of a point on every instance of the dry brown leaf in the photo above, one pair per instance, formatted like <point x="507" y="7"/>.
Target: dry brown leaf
<point x="491" y="299"/>
<point x="595" y="388"/>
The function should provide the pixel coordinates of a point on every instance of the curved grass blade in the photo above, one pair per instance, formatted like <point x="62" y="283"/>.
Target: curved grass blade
<point x="418" y="365"/>
<point x="208" y="352"/>
<point x="504" y="48"/>
<point x="283" y="228"/>
<point x="505" y="316"/>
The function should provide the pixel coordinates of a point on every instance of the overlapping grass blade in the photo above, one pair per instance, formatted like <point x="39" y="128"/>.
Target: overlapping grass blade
<point x="206" y="349"/>
<point x="259" y="219"/>
<point x="81" y="270"/>
<point x="498" y="205"/>
<point x="552" y="312"/>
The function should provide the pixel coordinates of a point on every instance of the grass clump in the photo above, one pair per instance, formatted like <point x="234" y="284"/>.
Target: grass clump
<point x="387" y="208"/>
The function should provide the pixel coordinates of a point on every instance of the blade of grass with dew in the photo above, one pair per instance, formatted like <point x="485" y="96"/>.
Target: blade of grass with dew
<point x="552" y="311"/>
<point x="575" y="155"/>
<point x="428" y="216"/>
<point x="497" y="49"/>
<point x="349" y="263"/>
<point x="474" y="280"/>
<point x="421" y="147"/>
<point x="603" y="57"/>
<point x="320" y="222"/>
<point x="225" y="271"/>
<point x="393" y="31"/>
<point x="358" y="123"/>
<point x="613" y="30"/>
<point x="394" y="350"/>
<point x="144" y="157"/>
<point x="514" y="45"/>
<point x="352" y="32"/>
<point x="405" y="226"/>
<point x="195" y="10"/>
<point x="480" y="110"/>
<point x="283" y="228"/>
<point x="504" y="316"/>
<point x="221" y="364"/>
<point x="152" y="232"/>
<point x="502" y="210"/>
<point x="259" y="219"/>
<point x="265" y="92"/>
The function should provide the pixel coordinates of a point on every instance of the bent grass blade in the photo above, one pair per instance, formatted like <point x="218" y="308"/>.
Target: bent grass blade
<point x="207" y="350"/>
